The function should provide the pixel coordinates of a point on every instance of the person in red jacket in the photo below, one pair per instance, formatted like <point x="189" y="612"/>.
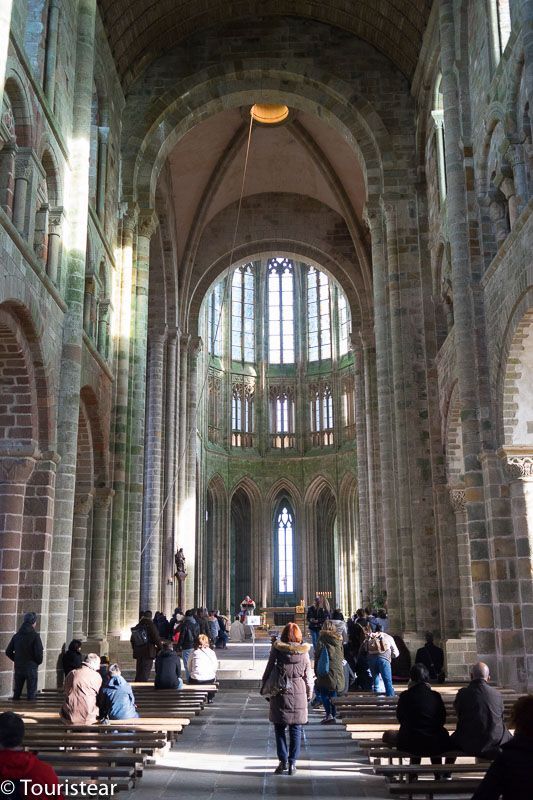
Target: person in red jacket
<point x="16" y="765"/>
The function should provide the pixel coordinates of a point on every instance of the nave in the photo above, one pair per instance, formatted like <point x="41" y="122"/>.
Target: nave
<point x="229" y="752"/>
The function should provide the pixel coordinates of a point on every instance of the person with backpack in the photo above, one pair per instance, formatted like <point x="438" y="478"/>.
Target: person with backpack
<point x="329" y="656"/>
<point x="189" y="631"/>
<point x="380" y="649"/>
<point x="290" y="655"/>
<point x="145" y="643"/>
<point x="17" y="765"/>
<point x="26" y="650"/>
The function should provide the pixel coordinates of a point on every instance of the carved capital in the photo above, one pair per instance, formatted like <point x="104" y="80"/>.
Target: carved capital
<point x="55" y="220"/>
<point x="517" y="467"/>
<point x="195" y="346"/>
<point x="372" y="216"/>
<point x="131" y="215"/>
<point x="458" y="500"/>
<point x="23" y="168"/>
<point x="103" y="497"/>
<point x="438" y="118"/>
<point x="16" y="470"/>
<point x="83" y="504"/>
<point x="147" y="223"/>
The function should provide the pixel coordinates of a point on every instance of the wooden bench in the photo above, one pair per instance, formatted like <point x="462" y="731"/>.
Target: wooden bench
<point x="429" y="789"/>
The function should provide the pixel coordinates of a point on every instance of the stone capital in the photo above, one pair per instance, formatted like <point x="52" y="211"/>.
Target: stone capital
<point x="373" y="217"/>
<point x="130" y="217"/>
<point x="103" y="134"/>
<point x="438" y="118"/>
<point x="23" y="167"/>
<point x="16" y="470"/>
<point x="518" y="467"/>
<point x="103" y="497"/>
<point x="195" y="346"/>
<point x="83" y="503"/>
<point x="147" y="223"/>
<point x="458" y="499"/>
<point x="55" y="220"/>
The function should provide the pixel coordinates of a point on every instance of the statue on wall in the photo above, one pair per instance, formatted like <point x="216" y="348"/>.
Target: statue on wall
<point x="179" y="560"/>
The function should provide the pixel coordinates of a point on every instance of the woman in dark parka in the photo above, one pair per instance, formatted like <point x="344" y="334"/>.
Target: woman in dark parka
<point x="290" y="708"/>
<point x="327" y="686"/>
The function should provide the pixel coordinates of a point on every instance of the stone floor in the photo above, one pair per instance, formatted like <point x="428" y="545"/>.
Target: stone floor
<point x="229" y="753"/>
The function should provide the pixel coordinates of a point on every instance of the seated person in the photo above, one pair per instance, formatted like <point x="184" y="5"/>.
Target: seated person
<point x="511" y="774"/>
<point x="421" y="714"/>
<point x="116" y="699"/>
<point x="168" y="669"/>
<point x="203" y="664"/>
<point x="72" y="658"/>
<point x="432" y="657"/>
<point x="17" y="765"/>
<point x="81" y="693"/>
<point x="480" y="727"/>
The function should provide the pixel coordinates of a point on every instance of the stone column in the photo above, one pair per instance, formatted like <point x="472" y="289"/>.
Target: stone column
<point x="7" y="176"/>
<point x="366" y="545"/>
<point x="183" y="392"/>
<point x="97" y="597"/>
<point x="20" y="195"/>
<point x="189" y="545"/>
<point x="465" y="336"/>
<point x="104" y="315"/>
<point x="517" y="160"/>
<point x="146" y="227"/>
<point x="49" y="82"/>
<point x="103" y="138"/>
<point x="171" y="444"/>
<point x="152" y="517"/>
<point x="79" y="572"/>
<point x="17" y="462"/>
<point x="372" y="454"/>
<point x="55" y="221"/>
<point x="385" y="418"/>
<point x="116" y="608"/>
<point x="89" y="306"/>
<point x="69" y="380"/>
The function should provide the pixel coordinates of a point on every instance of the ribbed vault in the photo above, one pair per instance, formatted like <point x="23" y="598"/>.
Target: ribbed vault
<point x="140" y="30"/>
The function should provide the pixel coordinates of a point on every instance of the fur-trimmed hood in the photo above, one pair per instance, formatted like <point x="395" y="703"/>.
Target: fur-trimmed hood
<point x="331" y="637"/>
<point x="291" y="648"/>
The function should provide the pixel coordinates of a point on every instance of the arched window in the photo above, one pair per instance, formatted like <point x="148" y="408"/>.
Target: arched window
<point x="280" y="311"/>
<point x="242" y="414"/>
<point x="440" y="145"/>
<point x="285" y="548"/>
<point x="282" y="417"/>
<point x="214" y="384"/>
<point x="318" y="315"/>
<point x="500" y="27"/>
<point x="214" y="323"/>
<point x="242" y="314"/>
<point x="321" y="415"/>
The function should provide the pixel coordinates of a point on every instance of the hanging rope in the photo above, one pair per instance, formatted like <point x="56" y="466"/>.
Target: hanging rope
<point x="193" y="427"/>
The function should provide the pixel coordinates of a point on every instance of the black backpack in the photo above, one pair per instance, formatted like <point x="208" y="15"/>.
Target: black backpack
<point x="139" y="637"/>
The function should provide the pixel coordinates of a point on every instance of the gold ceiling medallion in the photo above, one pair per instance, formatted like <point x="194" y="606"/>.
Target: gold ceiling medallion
<point x="269" y="113"/>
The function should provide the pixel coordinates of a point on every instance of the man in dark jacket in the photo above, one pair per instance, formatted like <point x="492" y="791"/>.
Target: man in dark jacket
<point x="189" y="630"/>
<point x="317" y="614"/>
<point x="26" y="650"/>
<point x="168" y="669"/>
<point x="432" y="657"/>
<point x="146" y="643"/>
<point x="511" y="775"/>
<point x="480" y="727"/>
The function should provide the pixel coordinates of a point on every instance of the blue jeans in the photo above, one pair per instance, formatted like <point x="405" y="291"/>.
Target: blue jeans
<point x="185" y="656"/>
<point x="325" y="695"/>
<point x="380" y="666"/>
<point x="314" y="636"/>
<point x="295" y="741"/>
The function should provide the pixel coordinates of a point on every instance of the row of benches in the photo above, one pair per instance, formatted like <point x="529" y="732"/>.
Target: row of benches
<point x="117" y="752"/>
<point x="367" y="717"/>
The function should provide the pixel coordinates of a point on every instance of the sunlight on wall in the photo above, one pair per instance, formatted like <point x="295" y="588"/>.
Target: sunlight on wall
<point x="76" y="196"/>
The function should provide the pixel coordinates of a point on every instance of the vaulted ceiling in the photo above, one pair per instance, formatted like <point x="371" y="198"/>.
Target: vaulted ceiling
<point x="140" y="30"/>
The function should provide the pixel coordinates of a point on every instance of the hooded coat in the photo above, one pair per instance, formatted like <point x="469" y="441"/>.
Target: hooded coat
<point x="81" y="692"/>
<point x="334" y="680"/>
<point x="290" y="708"/>
<point x="117" y="700"/>
<point x="72" y="659"/>
<point x="26" y="647"/>
<point x="167" y="670"/>
<point x="16" y="765"/>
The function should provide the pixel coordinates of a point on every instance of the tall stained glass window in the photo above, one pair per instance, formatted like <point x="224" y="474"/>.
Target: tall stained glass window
<point x="285" y="551"/>
<point x="215" y="319"/>
<point x="280" y="311"/>
<point x="318" y="316"/>
<point x="242" y="314"/>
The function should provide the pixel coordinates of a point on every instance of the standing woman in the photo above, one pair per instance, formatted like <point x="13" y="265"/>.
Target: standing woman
<point x="290" y="708"/>
<point x="329" y="651"/>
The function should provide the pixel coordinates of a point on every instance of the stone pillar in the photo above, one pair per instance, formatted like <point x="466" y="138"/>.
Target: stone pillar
<point x="54" y="243"/>
<point x="438" y="119"/>
<point x="190" y="497"/>
<point x="7" y="176"/>
<point x="89" y="306"/>
<point x="366" y="545"/>
<point x="104" y="316"/>
<point x="49" y="82"/>
<point x="372" y="454"/>
<point x="465" y="336"/>
<point x="116" y="607"/>
<point x="517" y="160"/>
<point x="69" y="379"/>
<point x="40" y="237"/>
<point x="79" y="571"/>
<point x="183" y="391"/>
<point x="17" y="462"/>
<point x="20" y="195"/>
<point x="103" y="138"/>
<point x="98" y="594"/>
<point x="385" y="418"/>
<point x="152" y="517"/>
<point x="171" y="443"/>
<point x="145" y="229"/>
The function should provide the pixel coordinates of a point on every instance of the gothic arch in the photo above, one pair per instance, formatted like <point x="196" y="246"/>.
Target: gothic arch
<point x="217" y="545"/>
